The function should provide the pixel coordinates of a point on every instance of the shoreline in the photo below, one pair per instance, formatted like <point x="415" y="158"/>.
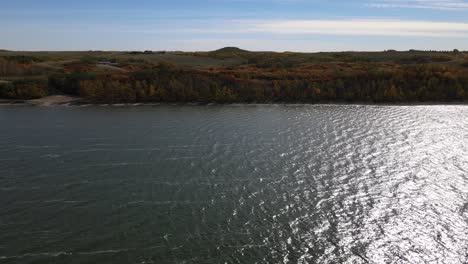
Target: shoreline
<point x="64" y="100"/>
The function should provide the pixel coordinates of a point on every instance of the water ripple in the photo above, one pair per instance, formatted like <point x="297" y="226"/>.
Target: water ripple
<point x="234" y="184"/>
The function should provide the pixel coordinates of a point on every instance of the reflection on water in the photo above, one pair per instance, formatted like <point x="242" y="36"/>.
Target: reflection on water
<point x="235" y="184"/>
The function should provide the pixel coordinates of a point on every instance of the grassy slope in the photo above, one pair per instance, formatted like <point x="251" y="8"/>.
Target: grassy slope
<point x="177" y="58"/>
<point x="232" y="57"/>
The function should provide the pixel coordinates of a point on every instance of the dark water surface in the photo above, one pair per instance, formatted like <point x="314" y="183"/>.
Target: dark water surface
<point x="234" y="184"/>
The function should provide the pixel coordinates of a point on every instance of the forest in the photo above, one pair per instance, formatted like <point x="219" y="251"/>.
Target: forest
<point x="232" y="75"/>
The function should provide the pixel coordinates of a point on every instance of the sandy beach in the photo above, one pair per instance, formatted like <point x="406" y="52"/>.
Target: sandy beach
<point x="53" y="100"/>
<point x="44" y="101"/>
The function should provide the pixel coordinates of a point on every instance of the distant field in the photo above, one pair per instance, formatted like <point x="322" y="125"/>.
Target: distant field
<point x="233" y="58"/>
<point x="181" y="59"/>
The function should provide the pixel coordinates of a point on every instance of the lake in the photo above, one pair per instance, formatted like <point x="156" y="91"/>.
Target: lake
<point x="234" y="184"/>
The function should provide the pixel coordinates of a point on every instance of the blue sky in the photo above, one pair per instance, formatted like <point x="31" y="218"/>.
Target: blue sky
<point x="190" y="25"/>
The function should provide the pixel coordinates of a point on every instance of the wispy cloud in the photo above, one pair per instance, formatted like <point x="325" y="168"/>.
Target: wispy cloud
<point x="363" y="27"/>
<point x="346" y="27"/>
<point x="453" y="5"/>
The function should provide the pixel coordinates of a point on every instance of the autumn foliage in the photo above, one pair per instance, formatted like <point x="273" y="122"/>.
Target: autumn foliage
<point x="260" y="77"/>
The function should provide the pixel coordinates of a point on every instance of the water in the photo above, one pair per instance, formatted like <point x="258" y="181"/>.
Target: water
<point x="234" y="184"/>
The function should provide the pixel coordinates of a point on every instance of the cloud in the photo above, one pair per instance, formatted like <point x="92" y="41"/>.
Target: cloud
<point x="363" y="27"/>
<point x="287" y="29"/>
<point x="452" y="5"/>
<point x="346" y="27"/>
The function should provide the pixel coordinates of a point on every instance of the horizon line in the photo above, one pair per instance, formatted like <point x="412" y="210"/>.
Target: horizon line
<point x="240" y="49"/>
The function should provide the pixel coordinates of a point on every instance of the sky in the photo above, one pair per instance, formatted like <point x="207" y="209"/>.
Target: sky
<point x="258" y="25"/>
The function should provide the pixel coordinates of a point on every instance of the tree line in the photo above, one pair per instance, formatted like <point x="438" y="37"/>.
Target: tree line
<point x="167" y="83"/>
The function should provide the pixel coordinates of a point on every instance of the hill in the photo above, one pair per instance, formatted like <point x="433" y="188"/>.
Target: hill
<point x="230" y="50"/>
